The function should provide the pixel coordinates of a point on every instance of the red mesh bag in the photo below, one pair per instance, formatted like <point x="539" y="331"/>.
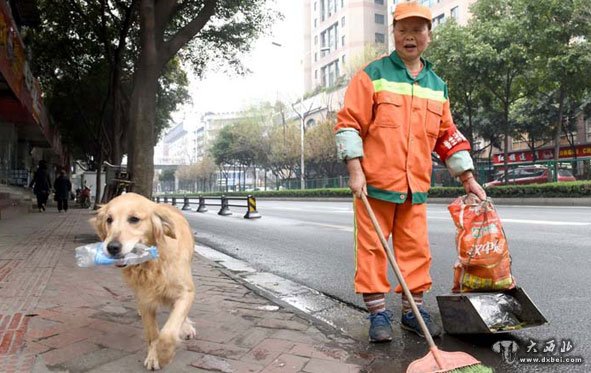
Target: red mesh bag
<point x="484" y="263"/>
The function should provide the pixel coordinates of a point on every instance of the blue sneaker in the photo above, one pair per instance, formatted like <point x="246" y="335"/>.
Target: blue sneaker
<point x="380" y="329"/>
<point x="410" y="323"/>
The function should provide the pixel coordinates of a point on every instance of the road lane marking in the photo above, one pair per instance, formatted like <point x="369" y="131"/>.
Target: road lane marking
<point x="331" y="211"/>
<point x="527" y="221"/>
<point x="333" y="226"/>
<point x="543" y="222"/>
<point x="430" y="217"/>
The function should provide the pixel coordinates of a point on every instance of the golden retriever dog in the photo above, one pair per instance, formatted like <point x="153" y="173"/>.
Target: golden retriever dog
<point x="130" y="219"/>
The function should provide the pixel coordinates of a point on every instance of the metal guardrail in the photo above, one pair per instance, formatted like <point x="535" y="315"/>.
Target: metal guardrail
<point x="224" y="202"/>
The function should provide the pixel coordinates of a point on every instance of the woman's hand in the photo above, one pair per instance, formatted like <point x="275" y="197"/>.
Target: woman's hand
<point x="471" y="185"/>
<point x="357" y="182"/>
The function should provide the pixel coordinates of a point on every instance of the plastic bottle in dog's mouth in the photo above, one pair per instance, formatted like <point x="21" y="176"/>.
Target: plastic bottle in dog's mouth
<point x="91" y="255"/>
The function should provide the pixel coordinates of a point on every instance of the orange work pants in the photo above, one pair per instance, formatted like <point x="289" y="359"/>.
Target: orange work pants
<point x="407" y="223"/>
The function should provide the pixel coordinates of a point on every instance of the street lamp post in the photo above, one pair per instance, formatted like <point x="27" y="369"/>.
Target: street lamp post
<point x="302" y="117"/>
<point x="302" y="181"/>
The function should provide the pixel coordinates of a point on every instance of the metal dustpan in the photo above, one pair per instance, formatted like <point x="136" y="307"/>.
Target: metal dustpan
<point x="486" y="313"/>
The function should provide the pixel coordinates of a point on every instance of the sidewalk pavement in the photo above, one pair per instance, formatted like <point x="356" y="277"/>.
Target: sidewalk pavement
<point x="56" y="317"/>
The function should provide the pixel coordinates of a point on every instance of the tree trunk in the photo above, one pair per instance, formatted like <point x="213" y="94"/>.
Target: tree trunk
<point x="470" y="124"/>
<point x="142" y="117"/>
<point x="143" y="105"/>
<point x="113" y="118"/>
<point x="506" y="144"/>
<point x="557" y="137"/>
<point x="114" y="108"/>
<point x="118" y="124"/>
<point x="97" y="195"/>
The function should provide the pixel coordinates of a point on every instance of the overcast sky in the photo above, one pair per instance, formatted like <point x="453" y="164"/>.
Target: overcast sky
<point x="277" y="72"/>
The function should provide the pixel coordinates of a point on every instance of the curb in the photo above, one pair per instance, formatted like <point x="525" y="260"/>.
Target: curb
<point x="316" y="307"/>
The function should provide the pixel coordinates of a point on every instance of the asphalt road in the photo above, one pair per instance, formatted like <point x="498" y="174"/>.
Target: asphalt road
<point x="311" y="243"/>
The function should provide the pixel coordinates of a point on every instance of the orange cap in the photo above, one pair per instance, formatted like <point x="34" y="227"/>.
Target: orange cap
<point x="412" y="9"/>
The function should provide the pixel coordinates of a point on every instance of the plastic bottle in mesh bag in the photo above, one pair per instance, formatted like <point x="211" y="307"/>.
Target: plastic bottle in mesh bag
<point x="93" y="254"/>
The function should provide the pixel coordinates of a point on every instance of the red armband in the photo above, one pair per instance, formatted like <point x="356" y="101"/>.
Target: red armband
<point x="452" y="141"/>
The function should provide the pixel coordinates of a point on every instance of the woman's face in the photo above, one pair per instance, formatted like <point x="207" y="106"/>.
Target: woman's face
<point x="411" y="38"/>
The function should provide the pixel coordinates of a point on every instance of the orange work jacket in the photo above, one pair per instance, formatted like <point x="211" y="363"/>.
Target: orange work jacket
<point x="400" y="120"/>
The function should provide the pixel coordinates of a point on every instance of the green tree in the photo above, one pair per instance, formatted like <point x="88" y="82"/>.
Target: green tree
<point x="78" y="38"/>
<point x="84" y="55"/>
<point x="282" y="144"/>
<point x="199" y="175"/>
<point x="253" y="133"/>
<point x="561" y="39"/>
<point x="186" y="173"/>
<point x="247" y="147"/>
<point x="167" y="180"/>
<point x="320" y="151"/>
<point x="75" y="103"/>
<point x="217" y="29"/>
<point x="490" y="119"/>
<point x="206" y="170"/>
<point x="454" y="54"/>
<point x="172" y="92"/>
<point x="532" y="115"/>
<point x="221" y="152"/>
<point x="370" y="52"/>
<point x="503" y="48"/>
<point x="137" y="39"/>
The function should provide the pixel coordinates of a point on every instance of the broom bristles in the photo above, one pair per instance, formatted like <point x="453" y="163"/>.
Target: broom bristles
<point x="477" y="368"/>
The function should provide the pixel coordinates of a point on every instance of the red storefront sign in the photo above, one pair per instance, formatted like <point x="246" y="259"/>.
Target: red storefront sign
<point x="25" y="106"/>
<point x="578" y="151"/>
<point x="15" y="70"/>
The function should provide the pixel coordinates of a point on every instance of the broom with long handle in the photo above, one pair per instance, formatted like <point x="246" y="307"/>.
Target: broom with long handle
<point x="435" y="360"/>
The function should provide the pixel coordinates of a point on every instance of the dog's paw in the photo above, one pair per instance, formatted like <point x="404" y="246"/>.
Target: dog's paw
<point x="165" y="346"/>
<point x="187" y="330"/>
<point x="151" y="362"/>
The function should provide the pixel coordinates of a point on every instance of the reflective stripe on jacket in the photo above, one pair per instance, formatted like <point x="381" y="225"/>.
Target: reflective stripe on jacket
<point x="400" y="120"/>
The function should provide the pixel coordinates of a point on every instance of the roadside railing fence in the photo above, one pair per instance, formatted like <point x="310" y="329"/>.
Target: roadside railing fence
<point x="202" y="202"/>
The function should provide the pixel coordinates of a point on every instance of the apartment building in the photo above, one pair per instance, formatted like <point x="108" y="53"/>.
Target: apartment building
<point x="209" y="127"/>
<point x="337" y="30"/>
<point x="175" y="147"/>
<point x="442" y="10"/>
<point x="186" y="143"/>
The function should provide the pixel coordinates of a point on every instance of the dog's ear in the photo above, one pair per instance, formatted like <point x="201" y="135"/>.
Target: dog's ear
<point x="162" y="223"/>
<point x="99" y="222"/>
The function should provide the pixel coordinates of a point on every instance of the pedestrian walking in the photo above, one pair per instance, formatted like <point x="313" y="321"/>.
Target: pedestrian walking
<point x="62" y="187"/>
<point x="41" y="185"/>
<point x="396" y="112"/>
